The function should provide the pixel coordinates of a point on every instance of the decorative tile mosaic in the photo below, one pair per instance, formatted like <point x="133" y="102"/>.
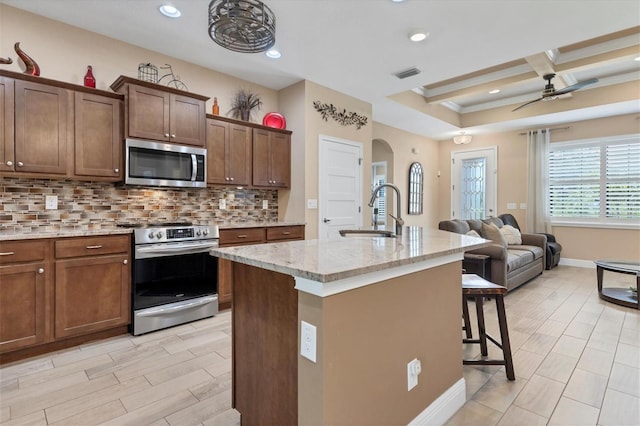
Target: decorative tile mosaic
<point x="96" y="205"/>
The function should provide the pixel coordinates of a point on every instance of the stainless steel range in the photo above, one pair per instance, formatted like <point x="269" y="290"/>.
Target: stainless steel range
<point x="174" y="280"/>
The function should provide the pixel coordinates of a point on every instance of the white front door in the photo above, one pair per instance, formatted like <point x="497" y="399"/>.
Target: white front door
<point x="474" y="183"/>
<point x="340" y="186"/>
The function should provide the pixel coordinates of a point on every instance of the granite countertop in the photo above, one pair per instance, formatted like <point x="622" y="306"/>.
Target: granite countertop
<point x="343" y="257"/>
<point x="61" y="233"/>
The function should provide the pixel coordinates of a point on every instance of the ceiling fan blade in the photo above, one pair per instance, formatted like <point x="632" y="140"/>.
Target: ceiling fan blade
<point x="574" y="87"/>
<point x="527" y="104"/>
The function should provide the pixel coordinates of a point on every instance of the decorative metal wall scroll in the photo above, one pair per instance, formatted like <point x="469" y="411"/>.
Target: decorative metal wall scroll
<point x="345" y="118"/>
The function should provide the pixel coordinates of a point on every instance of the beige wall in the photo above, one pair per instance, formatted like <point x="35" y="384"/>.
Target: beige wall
<point x="408" y="148"/>
<point x="577" y="243"/>
<point x="360" y="376"/>
<point x="63" y="53"/>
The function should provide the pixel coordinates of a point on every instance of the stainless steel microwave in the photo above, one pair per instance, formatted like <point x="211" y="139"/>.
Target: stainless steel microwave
<point x="162" y="164"/>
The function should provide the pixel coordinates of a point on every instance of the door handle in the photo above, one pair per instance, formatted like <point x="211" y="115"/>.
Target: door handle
<point x="325" y="220"/>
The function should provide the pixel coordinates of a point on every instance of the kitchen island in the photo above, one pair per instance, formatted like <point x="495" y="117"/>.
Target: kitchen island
<point x="374" y="304"/>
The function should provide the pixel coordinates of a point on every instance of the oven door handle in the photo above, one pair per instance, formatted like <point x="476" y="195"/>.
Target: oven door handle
<point x="173" y="309"/>
<point x="177" y="249"/>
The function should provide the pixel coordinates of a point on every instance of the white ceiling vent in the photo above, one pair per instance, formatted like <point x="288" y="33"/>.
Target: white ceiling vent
<point x="407" y="73"/>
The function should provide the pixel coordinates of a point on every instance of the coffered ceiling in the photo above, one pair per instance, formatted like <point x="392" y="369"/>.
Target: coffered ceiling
<point x="356" y="47"/>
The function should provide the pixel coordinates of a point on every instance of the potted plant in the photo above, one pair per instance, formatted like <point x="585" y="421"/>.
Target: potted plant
<point x="243" y="103"/>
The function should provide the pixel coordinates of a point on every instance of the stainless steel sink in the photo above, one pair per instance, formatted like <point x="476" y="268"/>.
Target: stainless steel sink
<point x="366" y="233"/>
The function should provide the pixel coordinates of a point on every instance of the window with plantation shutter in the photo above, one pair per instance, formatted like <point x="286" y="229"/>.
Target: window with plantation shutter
<point x="595" y="181"/>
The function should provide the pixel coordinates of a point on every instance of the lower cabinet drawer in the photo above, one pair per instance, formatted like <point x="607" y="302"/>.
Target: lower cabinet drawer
<point x="91" y="246"/>
<point x="279" y="233"/>
<point x="242" y="236"/>
<point x="22" y="251"/>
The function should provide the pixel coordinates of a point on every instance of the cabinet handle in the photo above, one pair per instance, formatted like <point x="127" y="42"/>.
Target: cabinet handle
<point x="125" y="261"/>
<point x="166" y="135"/>
<point x="242" y="236"/>
<point x="9" y="163"/>
<point x="94" y="247"/>
<point x="41" y="270"/>
<point x="173" y="135"/>
<point x="8" y="253"/>
<point x="231" y="179"/>
<point x="116" y="170"/>
<point x="20" y="164"/>
<point x="286" y="233"/>
<point x="226" y="178"/>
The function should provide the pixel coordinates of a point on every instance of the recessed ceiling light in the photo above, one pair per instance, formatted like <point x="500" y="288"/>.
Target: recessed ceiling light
<point x="494" y="91"/>
<point x="169" y="11"/>
<point x="273" y="53"/>
<point x="418" y="35"/>
<point x="397" y="1"/>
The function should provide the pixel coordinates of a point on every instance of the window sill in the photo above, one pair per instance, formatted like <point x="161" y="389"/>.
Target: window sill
<point x="569" y="224"/>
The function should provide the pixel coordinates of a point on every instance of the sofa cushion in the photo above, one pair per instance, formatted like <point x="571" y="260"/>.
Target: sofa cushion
<point x="473" y="233"/>
<point x="511" y="234"/>
<point x="491" y="232"/>
<point x="518" y="258"/>
<point x="456" y="225"/>
<point x="475" y="224"/>
<point x="537" y="252"/>
<point x="494" y="220"/>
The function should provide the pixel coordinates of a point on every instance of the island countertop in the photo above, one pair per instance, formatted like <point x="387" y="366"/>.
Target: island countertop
<point x="335" y="259"/>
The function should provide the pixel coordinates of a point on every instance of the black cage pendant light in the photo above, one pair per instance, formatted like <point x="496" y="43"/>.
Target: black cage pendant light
<point x="246" y="26"/>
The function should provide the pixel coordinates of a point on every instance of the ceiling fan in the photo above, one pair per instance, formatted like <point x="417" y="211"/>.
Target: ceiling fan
<point x="550" y="93"/>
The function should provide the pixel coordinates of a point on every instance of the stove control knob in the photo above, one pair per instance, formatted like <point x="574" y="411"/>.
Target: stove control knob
<point x="159" y="234"/>
<point x="198" y="232"/>
<point x="151" y="234"/>
<point x="205" y="231"/>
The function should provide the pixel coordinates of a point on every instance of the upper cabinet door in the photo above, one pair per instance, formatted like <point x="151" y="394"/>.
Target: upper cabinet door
<point x="148" y="116"/>
<point x="187" y="118"/>
<point x="239" y="154"/>
<point x="98" y="136"/>
<point x="42" y="128"/>
<point x="7" y="154"/>
<point x="217" y="141"/>
<point x="280" y="159"/>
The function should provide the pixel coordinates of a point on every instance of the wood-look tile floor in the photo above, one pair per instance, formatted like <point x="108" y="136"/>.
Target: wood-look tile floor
<point x="577" y="362"/>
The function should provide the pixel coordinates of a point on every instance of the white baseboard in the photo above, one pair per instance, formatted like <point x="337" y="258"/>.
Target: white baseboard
<point x="445" y="406"/>
<point x="580" y="263"/>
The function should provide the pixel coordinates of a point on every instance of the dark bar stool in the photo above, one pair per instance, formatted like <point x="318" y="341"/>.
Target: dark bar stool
<point x="478" y="288"/>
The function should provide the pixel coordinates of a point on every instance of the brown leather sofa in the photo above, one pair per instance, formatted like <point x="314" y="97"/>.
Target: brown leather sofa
<point x="511" y="265"/>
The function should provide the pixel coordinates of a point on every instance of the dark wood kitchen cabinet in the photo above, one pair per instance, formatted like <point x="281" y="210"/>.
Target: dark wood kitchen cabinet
<point x="245" y="236"/>
<point x="58" y="130"/>
<point x="43" y="128"/>
<point x="271" y="159"/>
<point x="93" y="285"/>
<point x="98" y="137"/>
<point x="162" y="113"/>
<point x="7" y="155"/>
<point x="228" y="153"/>
<point x="25" y="284"/>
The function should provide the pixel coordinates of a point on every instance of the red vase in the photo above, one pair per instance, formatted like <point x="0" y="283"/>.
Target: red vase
<point x="89" y="80"/>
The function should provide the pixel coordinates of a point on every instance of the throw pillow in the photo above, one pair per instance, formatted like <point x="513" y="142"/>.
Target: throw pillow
<point x="492" y="232"/>
<point x="473" y="233"/>
<point x="511" y="234"/>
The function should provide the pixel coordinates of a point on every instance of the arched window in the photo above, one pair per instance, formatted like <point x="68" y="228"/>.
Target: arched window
<point x="416" y="187"/>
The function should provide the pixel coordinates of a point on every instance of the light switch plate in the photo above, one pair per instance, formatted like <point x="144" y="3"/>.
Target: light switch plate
<point x="308" y="341"/>
<point x="511" y="206"/>
<point x="51" y="202"/>
<point x="222" y="204"/>
<point x="312" y="204"/>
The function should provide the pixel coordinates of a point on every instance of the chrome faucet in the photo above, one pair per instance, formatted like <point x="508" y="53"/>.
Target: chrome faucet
<point x="398" y="217"/>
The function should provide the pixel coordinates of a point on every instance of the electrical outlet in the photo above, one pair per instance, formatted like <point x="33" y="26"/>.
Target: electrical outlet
<point x="308" y="341"/>
<point x="414" y="367"/>
<point x="265" y="204"/>
<point x="511" y="206"/>
<point x="222" y="204"/>
<point x="312" y="204"/>
<point x="523" y="206"/>
<point x="51" y="202"/>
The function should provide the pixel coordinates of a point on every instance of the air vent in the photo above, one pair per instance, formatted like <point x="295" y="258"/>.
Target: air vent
<point x="407" y="73"/>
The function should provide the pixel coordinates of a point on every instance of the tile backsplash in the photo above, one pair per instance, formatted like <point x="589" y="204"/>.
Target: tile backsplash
<point x="95" y="205"/>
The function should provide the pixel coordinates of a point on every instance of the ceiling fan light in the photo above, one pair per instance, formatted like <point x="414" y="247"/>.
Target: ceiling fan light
<point x="245" y="26"/>
<point x="462" y="139"/>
